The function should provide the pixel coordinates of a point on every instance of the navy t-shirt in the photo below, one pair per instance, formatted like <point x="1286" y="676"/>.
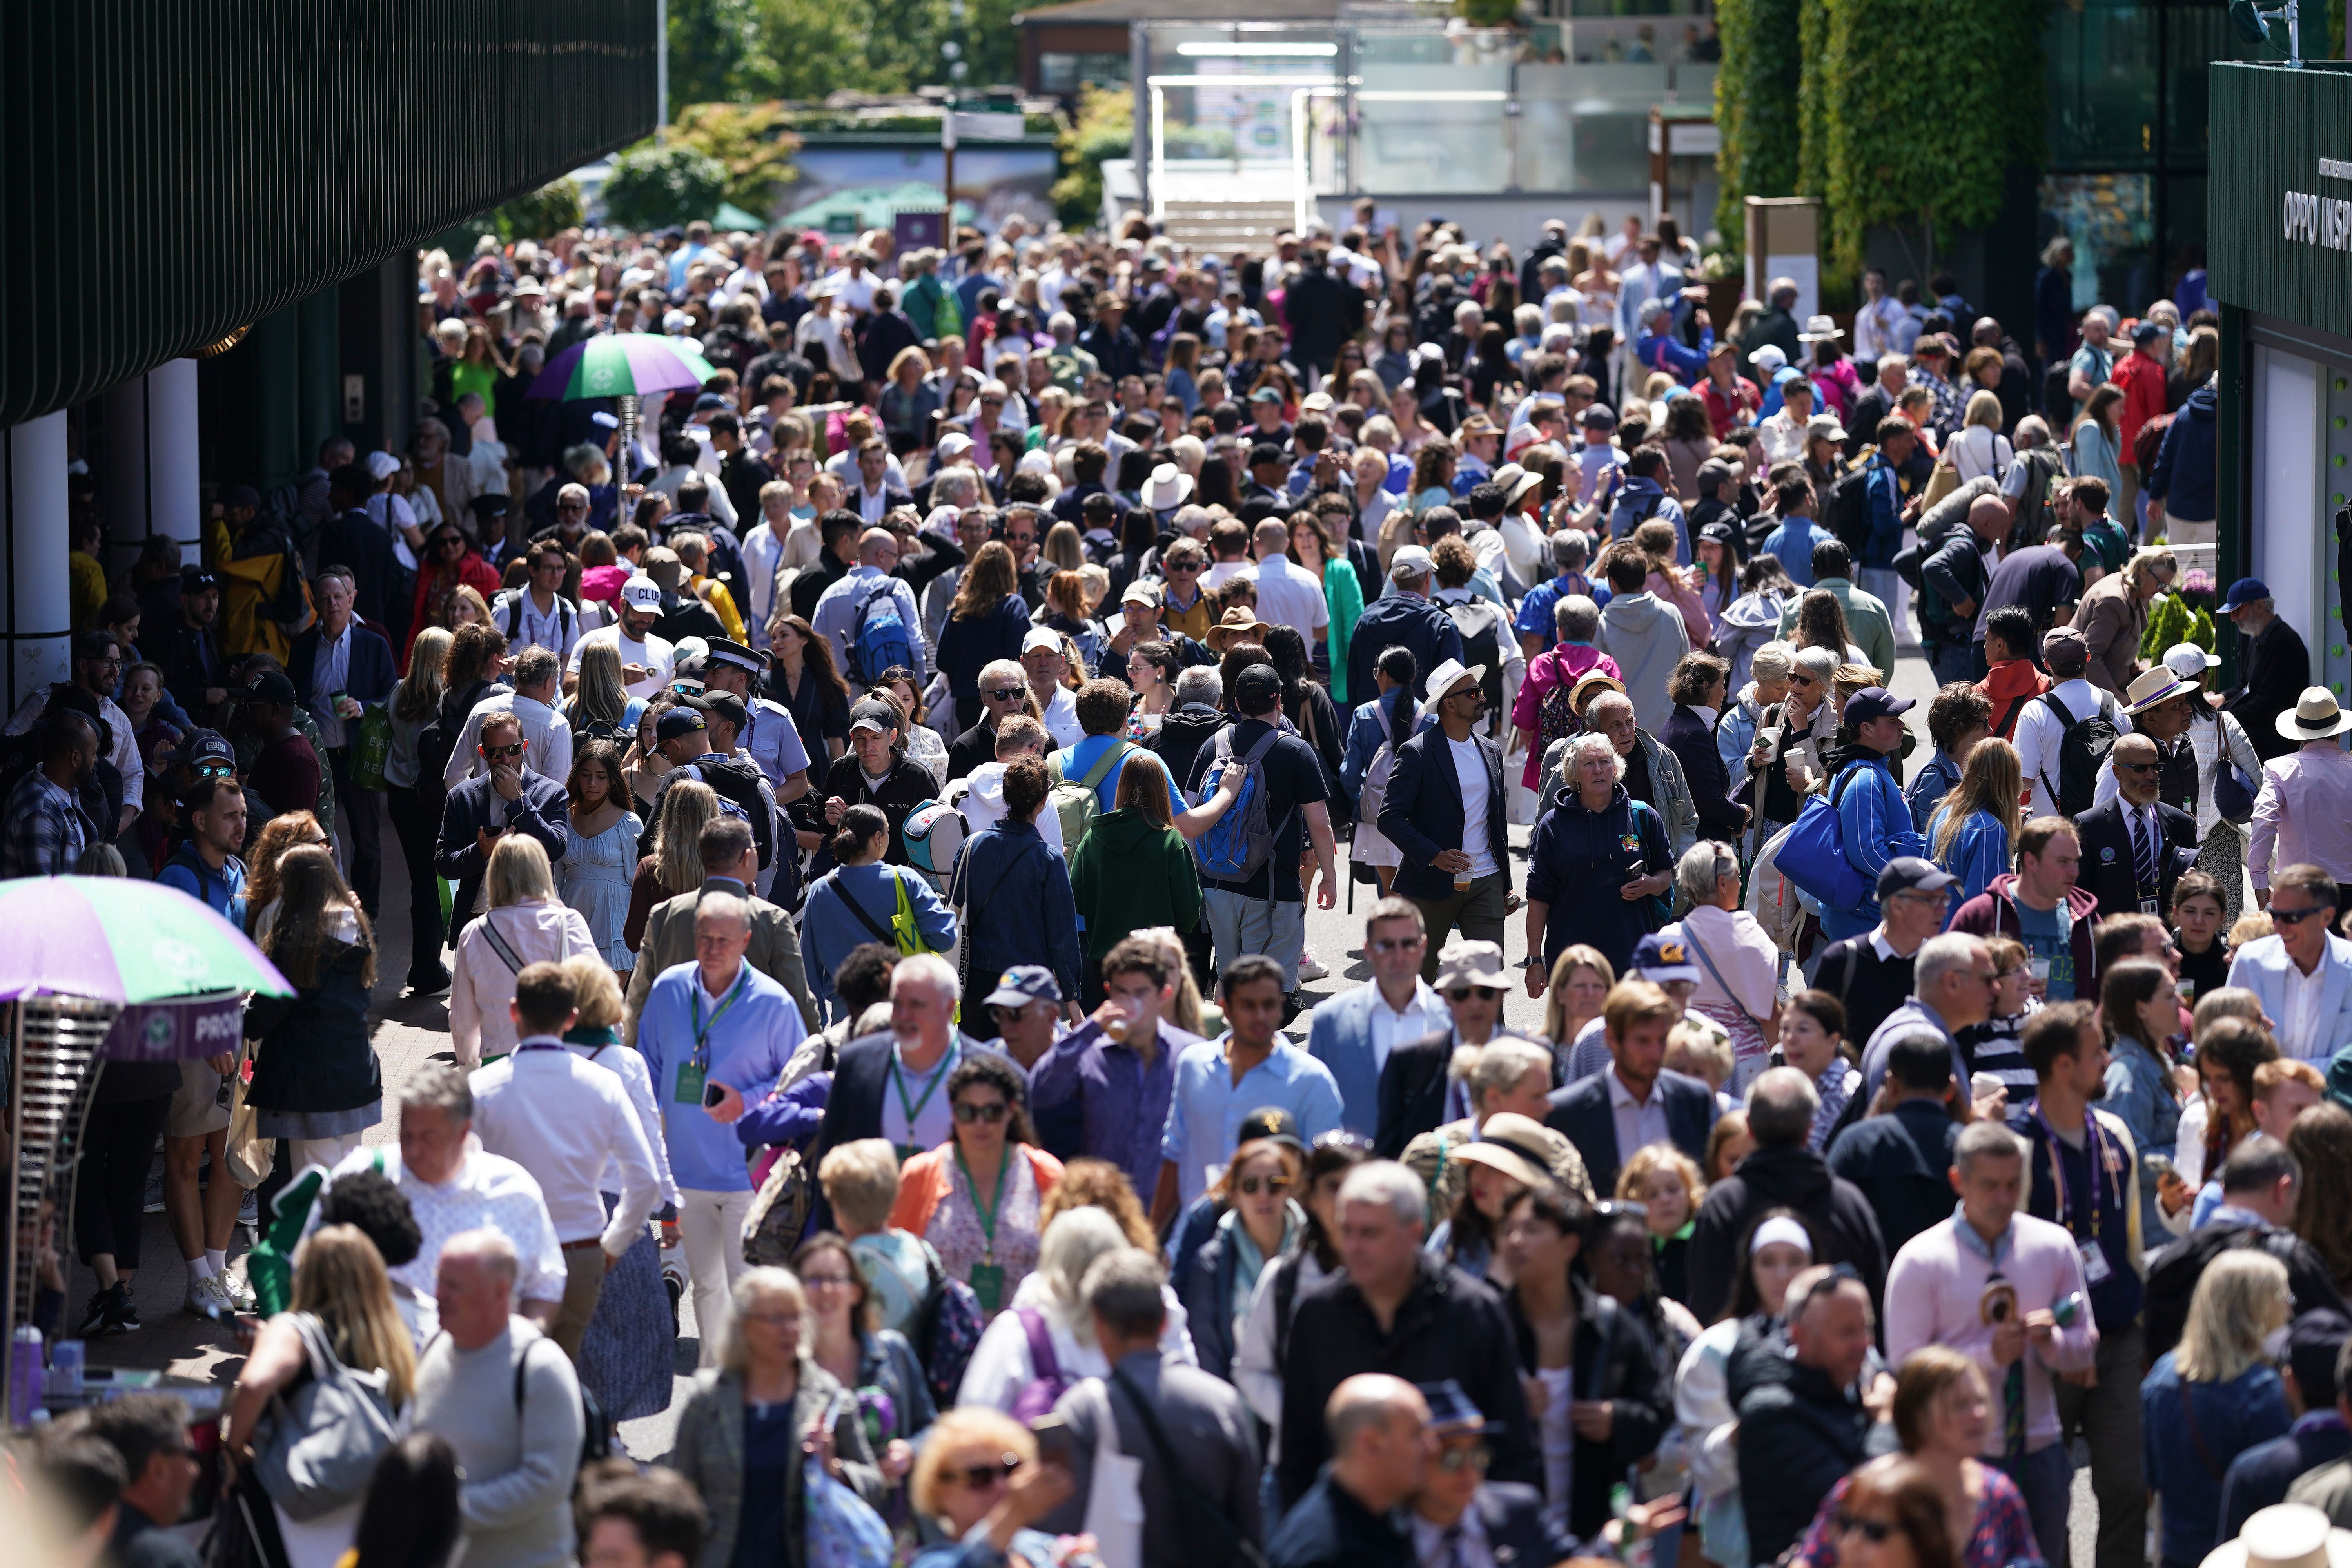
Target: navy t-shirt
<point x="1294" y="782"/>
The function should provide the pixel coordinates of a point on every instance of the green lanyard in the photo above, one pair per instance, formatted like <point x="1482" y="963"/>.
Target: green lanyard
<point x="986" y="1212"/>
<point x="701" y="1029"/>
<point x="911" y="1147"/>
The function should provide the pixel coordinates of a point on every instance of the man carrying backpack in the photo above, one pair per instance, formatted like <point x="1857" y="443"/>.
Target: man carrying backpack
<point x="2065" y="734"/>
<point x="1446" y="813"/>
<point x="870" y="617"/>
<point x="1251" y="862"/>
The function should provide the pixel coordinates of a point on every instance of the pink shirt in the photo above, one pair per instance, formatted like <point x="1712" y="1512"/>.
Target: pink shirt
<point x="2303" y="815"/>
<point x="1562" y="665"/>
<point x="1933" y="1294"/>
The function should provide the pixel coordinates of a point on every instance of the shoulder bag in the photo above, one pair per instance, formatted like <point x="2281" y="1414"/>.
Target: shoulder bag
<point x="322" y="1438"/>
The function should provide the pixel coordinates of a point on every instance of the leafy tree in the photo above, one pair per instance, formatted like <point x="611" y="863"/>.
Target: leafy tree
<point x="816" y="46"/>
<point x="550" y="209"/>
<point x="652" y="187"/>
<point x="1104" y="129"/>
<point x="719" y="51"/>
<point x="750" y="140"/>
<point x="1887" y="78"/>
<point x="1756" y="91"/>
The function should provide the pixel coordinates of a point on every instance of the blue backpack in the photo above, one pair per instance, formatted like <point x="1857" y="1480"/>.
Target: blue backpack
<point x="878" y="638"/>
<point x="1242" y="839"/>
<point x="1813" y="857"/>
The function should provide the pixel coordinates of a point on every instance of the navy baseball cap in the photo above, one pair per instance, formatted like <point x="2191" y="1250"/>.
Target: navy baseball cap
<point x="2244" y="592"/>
<point x="1452" y="1413"/>
<point x="1023" y="983"/>
<point x="1876" y="702"/>
<point x="208" y="748"/>
<point x="1661" y="959"/>
<point x="1270" y="1121"/>
<point x="682" y="719"/>
<point x="1910" y="873"/>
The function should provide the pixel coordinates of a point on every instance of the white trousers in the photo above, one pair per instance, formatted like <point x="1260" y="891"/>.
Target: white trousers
<point x="710" y="1229"/>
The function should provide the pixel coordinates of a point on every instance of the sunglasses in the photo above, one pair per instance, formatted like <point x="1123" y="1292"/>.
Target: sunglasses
<point x="2136" y="767"/>
<point x="979" y="1478"/>
<point x="445" y="542"/>
<point x="994" y="1112"/>
<point x="2296" y="917"/>
<point x="1252" y="1186"/>
<point x="1873" y="1531"/>
<point x="1463" y="992"/>
<point x="572" y="506"/>
<point x="1398" y="943"/>
<point x="495" y="753"/>
<point x="1003" y="693"/>
<point x="214" y="770"/>
<point x="1475" y="1457"/>
<point x="1182" y="566"/>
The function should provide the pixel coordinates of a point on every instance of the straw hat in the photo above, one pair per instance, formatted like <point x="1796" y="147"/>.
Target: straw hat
<point x="2287" y="1535"/>
<point x="2317" y="716"/>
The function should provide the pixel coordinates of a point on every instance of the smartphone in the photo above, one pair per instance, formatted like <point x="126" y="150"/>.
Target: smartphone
<point x="2162" y="1165"/>
<point x="712" y="1093"/>
<point x="1056" y="1446"/>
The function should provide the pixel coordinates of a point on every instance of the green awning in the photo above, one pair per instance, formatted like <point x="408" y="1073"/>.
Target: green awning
<point x="729" y="216"/>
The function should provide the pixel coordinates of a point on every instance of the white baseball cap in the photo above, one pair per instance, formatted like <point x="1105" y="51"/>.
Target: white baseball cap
<point x="641" y="593"/>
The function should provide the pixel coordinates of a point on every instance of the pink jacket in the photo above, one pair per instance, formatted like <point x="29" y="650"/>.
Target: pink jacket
<point x="1675" y="590"/>
<point x="1562" y="666"/>
<point x="1937" y="1283"/>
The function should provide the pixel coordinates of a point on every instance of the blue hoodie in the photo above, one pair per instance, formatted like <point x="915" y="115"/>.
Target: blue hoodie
<point x="2182" y="477"/>
<point x="1640" y="501"/>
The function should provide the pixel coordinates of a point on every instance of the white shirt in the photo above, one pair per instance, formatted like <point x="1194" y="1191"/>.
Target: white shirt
<point x="722" y="506"/>
<point x="546" y="738"/>
<point x="487" y="1192"/>
<point x="765" y="555"/>
<point x="2039" y="733"/>
<point x="1470" y="769"/>
<point x="852" y="291"/>
<point x="555" y="628"/>
<point x="2299" y="1030"/>
<point x="983" y="806"/>
<point x="1287" y="596"/>
<point x="637" y="1083"/>
<point x="331" y="668"/>
<point x="1062" y="719"/>
<point x="1783" y="438"/>
<point x="1424" y="1014"/>
<point x="654" y="653"/>
<point x="560" y="1116"/>
<point x="1223" y="572"/>
<point x="1638" y="1125"/>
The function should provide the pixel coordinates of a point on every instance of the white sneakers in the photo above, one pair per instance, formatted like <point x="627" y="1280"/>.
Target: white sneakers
<point x="210" y="1298"/>
<point x="1308" y="968"/>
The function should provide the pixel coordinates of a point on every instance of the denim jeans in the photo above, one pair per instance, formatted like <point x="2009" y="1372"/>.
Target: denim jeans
<point x="2046" y="1478"/>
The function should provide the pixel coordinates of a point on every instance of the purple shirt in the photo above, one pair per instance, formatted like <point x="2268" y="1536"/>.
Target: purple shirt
<point x="1125" y="1104"/>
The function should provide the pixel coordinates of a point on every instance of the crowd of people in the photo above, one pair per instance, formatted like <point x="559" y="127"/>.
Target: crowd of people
<point x="900" y="769"/>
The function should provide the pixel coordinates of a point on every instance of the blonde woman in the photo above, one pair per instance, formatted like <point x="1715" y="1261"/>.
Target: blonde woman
<point x="2113" y="617"/>
<point x="2212" y="1396"/>
<point x="674" y="866"/>
<point x="342" y="1307"/>
<point x="979" y="1472"/>
<point x="1972" y="830"/>
<point x="1977" y="449"/>
<point x="741" y="1434"/>
<point x="1580" y="979"/>
<point x="1507" y="1075"/>
<point x="526" y="923"/>
<point x="415" y="802"/>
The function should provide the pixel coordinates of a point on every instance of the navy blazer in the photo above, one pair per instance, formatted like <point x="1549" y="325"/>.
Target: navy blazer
<point x="1422" y="812"/>
<point x="1412" y="1091"/>
<point x="854" y="1108"/>
<point x="1582" y="1110"/>
<point x="355" y="540"/>
<point x="368" y="676"/>
<point x="542" y="811"/>
<point x="2107" y="874"/>
<point x="1512" y="1513"/>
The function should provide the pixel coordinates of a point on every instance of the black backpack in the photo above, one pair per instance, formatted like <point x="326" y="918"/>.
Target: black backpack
<point x="1481" y="626"/>
<point x="2081" y="750"/>
<point x="1846" y="514"/>
<point x="595" y="1431"/>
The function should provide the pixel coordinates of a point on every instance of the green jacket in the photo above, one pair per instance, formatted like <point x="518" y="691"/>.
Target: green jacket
<point x="922" y="305"/>
<point x="1128" y="873"/>
<point x="1344" y="595"/>
<point x="1866" y="622"/>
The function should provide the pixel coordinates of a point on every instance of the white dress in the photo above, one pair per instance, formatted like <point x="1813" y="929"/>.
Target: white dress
<point x="594" y="877"/>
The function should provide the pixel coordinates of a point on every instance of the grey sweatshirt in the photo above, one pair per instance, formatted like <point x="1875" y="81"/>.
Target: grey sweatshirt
<point x="519" y="1463"/>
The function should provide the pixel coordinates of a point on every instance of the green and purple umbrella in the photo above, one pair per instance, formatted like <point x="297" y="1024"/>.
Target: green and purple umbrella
<point x="623" y="365"/>
<point x="178" y="969"/>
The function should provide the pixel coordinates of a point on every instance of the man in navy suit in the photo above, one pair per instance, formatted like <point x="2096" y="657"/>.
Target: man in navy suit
<point x="1637" y="1101"/>
<point x="2134" y="847"/>
<point x="339" y="667"/>
<point x="1447" y="814"/>
<point x="1458" y="1509"/>
<point x="509" y="798"/>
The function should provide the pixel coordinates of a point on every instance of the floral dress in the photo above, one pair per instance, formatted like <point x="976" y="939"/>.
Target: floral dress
<point x="594" y="876"/>
<point x="959" y="1238"/>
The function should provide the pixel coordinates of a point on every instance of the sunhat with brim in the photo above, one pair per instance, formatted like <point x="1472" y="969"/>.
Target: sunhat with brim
<point x="1167" y="486"/>
<point x="2153" y="687"/>
<point x="1819" y="330"/>
<point x="1589" y="685"/>
<point x="2317" y="716"/>
<point x="2285" y="1535"/>
<point x="1516" y="1148"/>
<point x="1238" y="622"/>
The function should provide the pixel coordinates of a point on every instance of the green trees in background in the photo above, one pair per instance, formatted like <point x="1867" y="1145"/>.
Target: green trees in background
<point x="652" y="187"/>
<point x="747" y="51"/>
<point x="1890" y="113"/>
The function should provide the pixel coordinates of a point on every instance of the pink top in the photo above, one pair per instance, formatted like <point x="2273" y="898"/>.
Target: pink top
<point x="1675" y="590"/>
<point x="1560" y="666"/>
<point x="1935" y="1289"/>
<point x="602" y="584"/>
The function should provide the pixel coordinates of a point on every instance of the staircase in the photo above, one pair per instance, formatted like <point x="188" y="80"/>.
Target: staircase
<point x="1219" y="226"/>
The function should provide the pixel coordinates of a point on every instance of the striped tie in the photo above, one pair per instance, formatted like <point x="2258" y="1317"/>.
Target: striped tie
<point x="2144" y="852"/>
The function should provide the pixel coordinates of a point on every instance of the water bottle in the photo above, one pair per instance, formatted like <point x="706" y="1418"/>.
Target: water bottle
<point x="24" y="1376"/>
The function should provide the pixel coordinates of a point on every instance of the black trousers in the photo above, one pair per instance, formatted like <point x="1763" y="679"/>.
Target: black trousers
<point x="416" y="819"/>
<point x="118" y="1147"/>
<point x="356" y="817"/>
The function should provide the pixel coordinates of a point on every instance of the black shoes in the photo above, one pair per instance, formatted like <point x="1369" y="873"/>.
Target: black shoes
<point x="111" y="1311"/>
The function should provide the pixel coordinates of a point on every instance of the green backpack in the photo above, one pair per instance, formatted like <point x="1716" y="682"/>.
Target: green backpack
<point x="1074" y="801"/>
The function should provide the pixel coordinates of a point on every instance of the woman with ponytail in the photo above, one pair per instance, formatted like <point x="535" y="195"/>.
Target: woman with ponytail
<point x="857" y="901"/>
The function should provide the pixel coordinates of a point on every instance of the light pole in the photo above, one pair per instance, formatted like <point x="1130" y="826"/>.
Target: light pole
<point x="952" y="50"/>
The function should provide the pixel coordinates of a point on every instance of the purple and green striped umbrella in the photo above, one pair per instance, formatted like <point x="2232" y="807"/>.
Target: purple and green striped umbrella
<point x="623" y="365"/>
<point x="121" y="940"/>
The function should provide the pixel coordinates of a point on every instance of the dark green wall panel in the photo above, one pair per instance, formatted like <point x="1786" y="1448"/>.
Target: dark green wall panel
<point x="173" y="170"/>
<point x="2271" y="127"/>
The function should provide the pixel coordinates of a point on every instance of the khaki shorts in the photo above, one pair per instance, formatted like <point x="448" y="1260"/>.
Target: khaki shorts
<point x="195" y="1107"/>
